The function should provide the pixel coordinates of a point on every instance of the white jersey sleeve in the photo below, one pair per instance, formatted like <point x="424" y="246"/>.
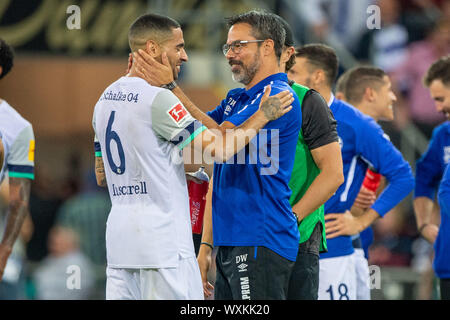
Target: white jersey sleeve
<point x="172" y="122"/>
<point x="97" y="148"/>
<point x="2" y="160"/>
<point x="20" y="159"/>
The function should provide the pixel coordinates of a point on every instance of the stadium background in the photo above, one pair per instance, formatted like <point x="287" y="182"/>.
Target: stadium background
<point x="60" y="73"/>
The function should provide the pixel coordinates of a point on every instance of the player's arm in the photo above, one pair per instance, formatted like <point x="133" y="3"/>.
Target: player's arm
<point x="21" y="172"/>
<point x="444" y="192"/>
<point x="366" y="198"/>
<point x="363" y="201"/>
<point x="100" y="175"/>
<point x="19" y="195"/>
<point x="158" y="74"/>
<point x="389" y="162"/>
<point x="329" y="161"/>
<point x="386" y="160"/>
<point x="100" y="172"/>
<point x="194" y="110"/>
<point x="319" y="131"/>
<point x="220" y="146"/>
<point x="423" y="208"/>
<point x="205" y="251"/>
<point x="173" y="123"/>
<point x="338" y="224"/>
<point x="428" y="176"/>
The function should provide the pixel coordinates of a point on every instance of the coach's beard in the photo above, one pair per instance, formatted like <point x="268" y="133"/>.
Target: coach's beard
<point x="244" y="74"/>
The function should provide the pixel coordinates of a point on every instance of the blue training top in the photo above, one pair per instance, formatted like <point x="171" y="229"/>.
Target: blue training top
<point x="431" y="165"/>
<point x="429" y="173"/>
<point x="250" y="203"/>
<point x="441" y="263"/>
<point x="364" y="143"/>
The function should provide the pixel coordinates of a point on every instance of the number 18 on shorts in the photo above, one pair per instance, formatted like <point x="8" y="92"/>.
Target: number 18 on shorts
<point x="337" y="278"/>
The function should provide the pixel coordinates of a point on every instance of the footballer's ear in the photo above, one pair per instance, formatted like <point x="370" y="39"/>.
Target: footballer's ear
<point x="318" y="77"/>
<point x="287" y="54"/>
<point x="153" y="48"/>
<point x="290" y="51"/>
<point x="369" y="94"/>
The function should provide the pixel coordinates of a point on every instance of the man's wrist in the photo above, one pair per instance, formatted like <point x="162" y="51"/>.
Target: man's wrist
<point x="366" y="220"/>
<point x="261" y="117"/>
<point x="362" y="224"/>
<point x="209" y="245"/>
<point x="422" y="227"/>
<point x="205" y="249"/>
<point x="297" y="216"/>
<point x="171" y="85"/>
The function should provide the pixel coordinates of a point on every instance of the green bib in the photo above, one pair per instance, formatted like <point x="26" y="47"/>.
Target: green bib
<point x="303" y="174"/>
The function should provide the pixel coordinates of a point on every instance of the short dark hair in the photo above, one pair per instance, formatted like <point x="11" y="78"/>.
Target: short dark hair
<point x="264" y="26"/>
<point x="320" y="56"/>
<point x="439" y="70"/>
<point x="150" y="26"/>
<point x="360" y="78"/>
<point x="341" y="82"/>
<point x="288" y="41"/>
<point x="6" y="58"/>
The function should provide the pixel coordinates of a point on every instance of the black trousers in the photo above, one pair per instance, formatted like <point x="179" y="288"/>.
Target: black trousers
<point x="445" y="289"/>
<point x="251" y="273"/>
<point x="304" y="280"/>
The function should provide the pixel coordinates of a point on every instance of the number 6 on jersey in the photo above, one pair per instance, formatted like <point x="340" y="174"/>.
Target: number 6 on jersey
<point x="112" y="135"/>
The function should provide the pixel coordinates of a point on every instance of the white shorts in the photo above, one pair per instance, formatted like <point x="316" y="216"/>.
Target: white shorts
<point x="181" y="283"/>
<point x="362" y="275"/>
<point x="337" y="278"/>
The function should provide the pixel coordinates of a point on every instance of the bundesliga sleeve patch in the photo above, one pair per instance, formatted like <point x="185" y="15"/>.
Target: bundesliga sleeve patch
<point x="31" y="150"/>
<point x="177" y="113"/>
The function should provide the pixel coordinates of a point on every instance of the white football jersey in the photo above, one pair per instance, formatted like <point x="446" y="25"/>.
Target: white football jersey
<point x="18" y="143"/>
<point x="140" y="133"/>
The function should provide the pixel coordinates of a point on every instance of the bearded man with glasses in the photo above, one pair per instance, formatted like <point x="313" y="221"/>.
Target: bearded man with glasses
<point x="249" y="218"/>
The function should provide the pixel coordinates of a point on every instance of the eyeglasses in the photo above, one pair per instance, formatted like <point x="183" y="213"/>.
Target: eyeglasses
<point x="236" y="46"/>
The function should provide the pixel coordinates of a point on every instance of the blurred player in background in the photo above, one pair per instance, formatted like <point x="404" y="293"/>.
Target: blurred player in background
<point x="366" y="197"/>
<point x="150" y="250"/>
<point x="341" y="82"/>
<point x="316" y="175"/>
<point x="442" y="242"/>
<point x="364" y="200"/>
<point x="362" y="143"/>
<point x="369" y="90"/>
<point x="18" y="142"/>
<point x="429" y="171"/>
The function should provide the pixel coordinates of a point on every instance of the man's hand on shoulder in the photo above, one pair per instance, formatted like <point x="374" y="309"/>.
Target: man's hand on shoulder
<point x="273" y="107"/>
